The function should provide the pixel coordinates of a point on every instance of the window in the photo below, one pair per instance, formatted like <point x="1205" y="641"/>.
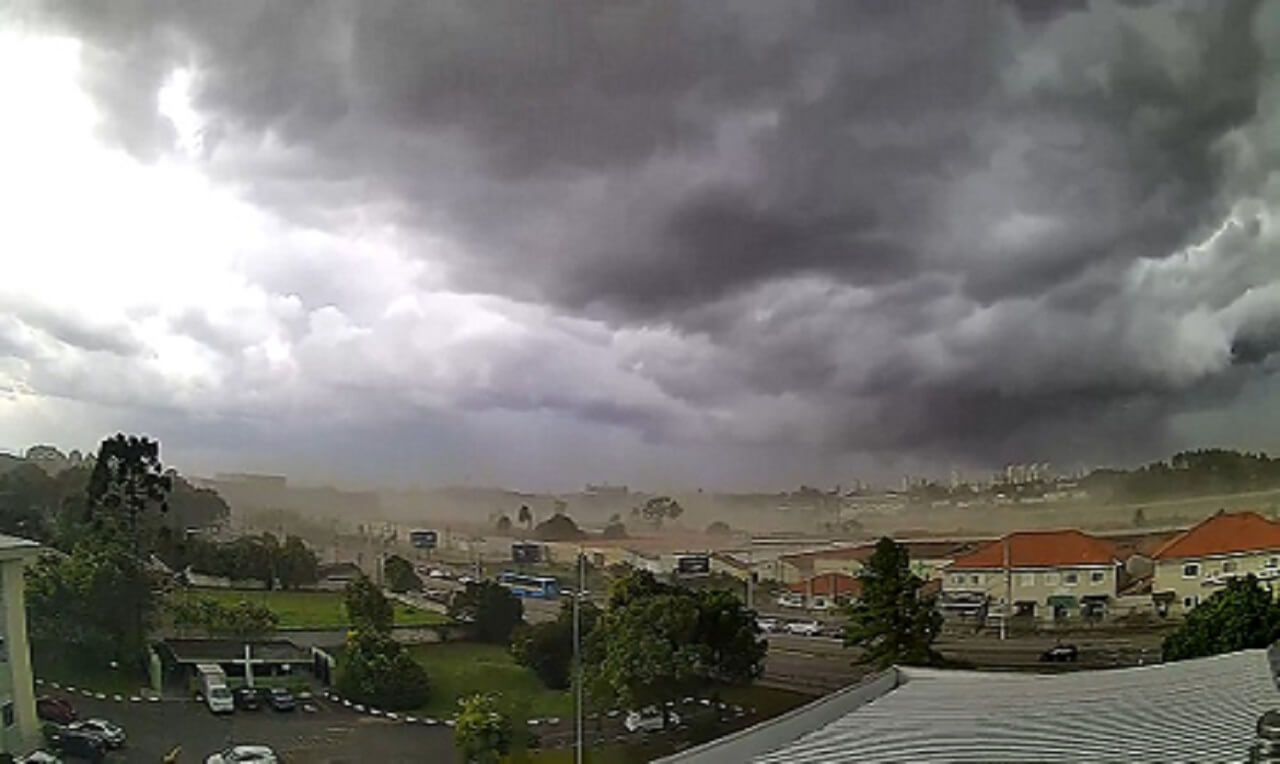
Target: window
<point x="1072" y="578"/>
<point x="975" y="579"/>
<point x="1191" y="570"/>
<point x="1051" y="579"/>
<point x="8" y="714"/>
<point x="1028" y="579"/>
<point x="1229" y="566"/>
<point x="957" y="580"/>
<point x="1274" y="562"/>
<point x="1098" y="576"/>
<point x="1190" y="602"/>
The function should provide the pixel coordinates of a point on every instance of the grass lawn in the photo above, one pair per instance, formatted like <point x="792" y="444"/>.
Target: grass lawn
<point x="315" y="610"/>
<point x="458" y="669"/>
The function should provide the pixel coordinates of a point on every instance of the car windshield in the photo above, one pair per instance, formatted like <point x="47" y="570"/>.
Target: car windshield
<point x="219" y="693"/>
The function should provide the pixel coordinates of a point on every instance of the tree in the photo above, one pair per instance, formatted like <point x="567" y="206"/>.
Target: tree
<point x="503" y="525"/>
<point x="243" y="619"/>
<point x="525" y="516"/>
<point x="547" y="647"/>
<point x="719" y="528"/>
<point x="891" y="622"/>
<point x="658" y="508"/>
<point x="367" y="607"/>
<point x="558" y="528"/>
<point x="296" y="564"/>
<point x="400" y="576"/>
<point x="376" y="670"/>
<point x="127" y="483"/>
<point x="1241" y="616"/>
<point x="483" y="732"/>
<point x="29" y="500"/>
<point x="615" y="529"/>
<point x="491" y="609"/>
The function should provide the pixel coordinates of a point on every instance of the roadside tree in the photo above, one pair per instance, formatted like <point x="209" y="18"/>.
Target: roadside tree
<point x="490" y="608"/>
<point x="483" y="733"/>
<point x="400" y="576"/>
<point x="377" y="671"/>
<point x="1241" y="616"/>
<point x="296" y="564"/>
<point x="547" y="648"/>
<point x="891" y="622"/>
<point x="367" y="607"/>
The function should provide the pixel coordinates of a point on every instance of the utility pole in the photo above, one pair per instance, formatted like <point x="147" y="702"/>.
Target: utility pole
<point x="1008" y="591"/>
<point x="577" y="660"/>
<point x="751" y="574"/>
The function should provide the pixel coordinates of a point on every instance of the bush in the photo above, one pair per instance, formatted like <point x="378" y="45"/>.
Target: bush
<point x="378" y="672"/>
<point x="492" y="610"/>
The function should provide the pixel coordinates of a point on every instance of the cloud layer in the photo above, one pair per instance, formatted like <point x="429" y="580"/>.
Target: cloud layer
<point x="861" y="235"/>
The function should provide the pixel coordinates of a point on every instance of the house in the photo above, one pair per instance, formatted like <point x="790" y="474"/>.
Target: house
<point x="19" y="728"/>
<point x="337" y="575"/>
<point x="824" y="591"/>
<point x="1199" y="561"/>
<point x="1047" y="575"/>
<point x="928" y="557"/>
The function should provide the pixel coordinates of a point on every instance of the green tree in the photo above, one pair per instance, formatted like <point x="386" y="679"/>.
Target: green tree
<point x="483" y="733"/>
<point x="547" y="647"/>
<point x="242" y="619"/>
<point x="400" y="576"/>
<point x="368" y="609"/>
<point x="297" y="563"/>
<point x="29" y="500"/>
<point x="376" y="670"/>
<point x="491" y="609"/>
<point x="659" y="508"/>
<point x="1240" y="616"/>
<point x="128" y="486"/>
<point x="891" y="622"/>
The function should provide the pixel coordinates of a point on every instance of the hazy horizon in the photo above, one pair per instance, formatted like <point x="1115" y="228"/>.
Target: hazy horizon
<point x="721" y="245"/>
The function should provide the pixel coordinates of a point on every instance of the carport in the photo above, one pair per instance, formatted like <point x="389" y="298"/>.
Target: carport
<point x="242" y="659"/>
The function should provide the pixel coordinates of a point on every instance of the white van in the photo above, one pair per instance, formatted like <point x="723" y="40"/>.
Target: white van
<point x="213" y="686"/>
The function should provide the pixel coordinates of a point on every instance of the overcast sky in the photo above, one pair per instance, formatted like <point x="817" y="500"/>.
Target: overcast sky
<point x="719" y="244"/>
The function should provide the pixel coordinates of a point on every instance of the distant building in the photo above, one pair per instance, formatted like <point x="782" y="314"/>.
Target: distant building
<point x="1049" y="575"/>
<point x="927" y="558"/>
<point x="604" y="490"/>
<point x="1199" y="561"/>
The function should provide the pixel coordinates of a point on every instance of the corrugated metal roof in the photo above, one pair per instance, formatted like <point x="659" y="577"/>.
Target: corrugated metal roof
<point x="1192" y="711"/>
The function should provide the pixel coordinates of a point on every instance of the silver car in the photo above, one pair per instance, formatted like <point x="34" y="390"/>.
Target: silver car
<point x="244" y="754"/>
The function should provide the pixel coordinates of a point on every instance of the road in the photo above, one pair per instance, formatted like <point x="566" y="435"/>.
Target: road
<point x="331" y="735"/>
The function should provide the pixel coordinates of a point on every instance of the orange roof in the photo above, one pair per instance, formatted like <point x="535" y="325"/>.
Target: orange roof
<point x="830" y="584"/>
<point x="1223" y="533"/>
<point x="1041" y="549"/>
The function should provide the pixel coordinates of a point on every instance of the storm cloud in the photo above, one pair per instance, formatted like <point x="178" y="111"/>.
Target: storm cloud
<point x="934" y="232"/>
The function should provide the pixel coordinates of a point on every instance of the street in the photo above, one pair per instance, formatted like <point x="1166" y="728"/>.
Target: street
<point x="332" y="735"/>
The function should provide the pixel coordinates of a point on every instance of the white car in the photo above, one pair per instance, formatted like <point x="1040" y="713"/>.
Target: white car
<point x="768" y="625"/>
<point x="649" y="720"/>
<point x="111" y="734"/>
<point x="804" y="628"/>
<point x="39" y="757"/>
<point x="244" y="754"/>
<point x="791" y="600"/>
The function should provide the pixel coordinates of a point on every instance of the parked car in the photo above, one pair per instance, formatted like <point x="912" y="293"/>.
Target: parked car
<point x="111" y="734"/>
<point x="281" y="699"/>
<point x="82" y="744"/>
<point x="246" y="699"/>
<point x="1060" y="654"/>
<point x="649" y="720"/>
<point x="791" y="599"/>
<point x="244" y="754"/>
<point x="54" y="709"/>
<point x="804" y="628"/>
<point x="768" y="624"/>
<point x="38" y="757"/>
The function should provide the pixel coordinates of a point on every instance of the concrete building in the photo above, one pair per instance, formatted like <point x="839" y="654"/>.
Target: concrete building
<point x="19" y="728"/>
<point x="1202" y="710"/>
<point x="1045" y="575"/>
<point x="928" y="558"/>
<point x="1199" y="561"/>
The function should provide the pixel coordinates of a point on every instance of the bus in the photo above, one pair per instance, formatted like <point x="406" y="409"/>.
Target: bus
<point x="541" y="587"/>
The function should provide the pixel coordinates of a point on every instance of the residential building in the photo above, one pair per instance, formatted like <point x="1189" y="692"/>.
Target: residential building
<point x="19" y="728"/>
<point x="1045" y="575"/>
<point x="928" y="558"/>
<point x="1199" y="561"/>
<point x="826" y="591"/>
<point x="1201" y="710"/>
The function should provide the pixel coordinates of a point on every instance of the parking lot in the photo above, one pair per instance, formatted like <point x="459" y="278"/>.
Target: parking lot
<point x="330" y="735"/>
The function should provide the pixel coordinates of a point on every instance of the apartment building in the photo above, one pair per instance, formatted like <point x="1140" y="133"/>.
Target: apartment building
<point x="1045" y="575"/>
<point x="19" y="727"/>
<point x="1199" y="561"/>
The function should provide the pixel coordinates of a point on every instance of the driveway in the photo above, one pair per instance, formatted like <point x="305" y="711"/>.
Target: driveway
<point x="332" y="735"/>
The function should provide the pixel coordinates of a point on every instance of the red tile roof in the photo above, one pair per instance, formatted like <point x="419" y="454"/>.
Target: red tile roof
<point x="1223" y="533"/>
<point x="1041" y="549"/>
<point x="830" y="584"/>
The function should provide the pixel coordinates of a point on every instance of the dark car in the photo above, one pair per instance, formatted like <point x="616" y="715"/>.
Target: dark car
<point x="1060" y="654"/>
<point x="81" y="744"/>
<point x="53" y="709"/>
<point x="246" y="699"/>
<point x="281" y="699"/>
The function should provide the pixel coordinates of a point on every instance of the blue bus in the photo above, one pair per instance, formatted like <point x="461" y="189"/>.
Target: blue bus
<point x="541" y="587"/>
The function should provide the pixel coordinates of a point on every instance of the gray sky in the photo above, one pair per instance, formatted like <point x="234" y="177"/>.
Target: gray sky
<point x="719" y="244"/>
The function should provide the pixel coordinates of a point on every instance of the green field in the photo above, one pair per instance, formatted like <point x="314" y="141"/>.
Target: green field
<point x="458" y="669"/>
<point x="314" y="610"/>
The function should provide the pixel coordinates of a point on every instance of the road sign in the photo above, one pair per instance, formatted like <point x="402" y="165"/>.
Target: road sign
<point x="693" y="564"/>
<point x="424" y="539"/>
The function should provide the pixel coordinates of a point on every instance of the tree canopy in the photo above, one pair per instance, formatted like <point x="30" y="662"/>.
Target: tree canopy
<point x="891" y="621"/>
<point x="1240" y="616"/>
<point x="547" y="647"/>
<point x="378" y="671"/>
<point x="400" y="576"/>
<point x="558" y="528"/>
<point x="491" y="609"/>
<point x="483" y="732"/>
<point x="659" y="508"/>
<point x="367" y="607"/>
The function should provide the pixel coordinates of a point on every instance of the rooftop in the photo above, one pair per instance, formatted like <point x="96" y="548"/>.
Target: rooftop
<point x="1041" y="549"/>
<point x="1223" y="533"/>
<point x="1201" y="710"/>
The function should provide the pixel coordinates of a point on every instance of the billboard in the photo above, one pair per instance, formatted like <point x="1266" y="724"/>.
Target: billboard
<point x="424" y="539"/>
<point x="693" y="564"/>
<point x="526" y="552"/>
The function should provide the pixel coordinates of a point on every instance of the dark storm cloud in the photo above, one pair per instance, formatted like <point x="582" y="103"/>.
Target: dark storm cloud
<point x="951" y="226"/>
